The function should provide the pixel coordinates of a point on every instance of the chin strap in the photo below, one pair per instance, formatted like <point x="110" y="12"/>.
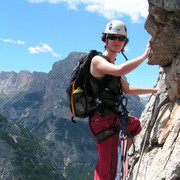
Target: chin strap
<point x="124" y="55"/>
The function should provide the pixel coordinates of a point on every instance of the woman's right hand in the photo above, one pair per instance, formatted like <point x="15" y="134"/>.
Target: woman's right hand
<point x="147" y="50"/>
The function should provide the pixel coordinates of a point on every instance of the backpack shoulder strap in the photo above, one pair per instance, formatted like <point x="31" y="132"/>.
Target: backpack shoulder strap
<point x="102" y="84"/>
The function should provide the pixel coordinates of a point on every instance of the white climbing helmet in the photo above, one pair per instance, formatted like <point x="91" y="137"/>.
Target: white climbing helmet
<point x="116" y="27"/>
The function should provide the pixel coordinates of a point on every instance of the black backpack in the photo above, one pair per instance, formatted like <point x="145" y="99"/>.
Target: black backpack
<point x="79" y="92"/>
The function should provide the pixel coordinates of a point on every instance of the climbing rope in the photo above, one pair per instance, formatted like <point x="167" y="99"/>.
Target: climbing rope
<point x="145" y="137"/>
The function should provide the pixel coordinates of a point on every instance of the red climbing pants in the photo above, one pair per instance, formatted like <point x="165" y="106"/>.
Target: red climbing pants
<point x="108" y="148"/>
<point x="133" y="126"/>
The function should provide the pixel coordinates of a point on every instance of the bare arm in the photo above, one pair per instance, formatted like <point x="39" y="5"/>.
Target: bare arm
<point x="136" y="90"/>
<point x="100" y="66"/>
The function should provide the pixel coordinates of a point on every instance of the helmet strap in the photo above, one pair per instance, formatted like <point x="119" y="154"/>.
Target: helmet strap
<point x="124" y="55"/>
<point x="117" y="52"/>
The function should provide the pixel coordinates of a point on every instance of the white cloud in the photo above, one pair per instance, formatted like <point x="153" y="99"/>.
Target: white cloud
<point x="145" y="97"/>
<point x="42" y="48"/>
<point x="12" y="41"/>
<point x="109" y="8"/>
<point x="126" y="49"/>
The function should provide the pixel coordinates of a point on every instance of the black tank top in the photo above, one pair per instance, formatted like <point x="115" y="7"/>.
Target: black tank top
<point x="109" y="98"/>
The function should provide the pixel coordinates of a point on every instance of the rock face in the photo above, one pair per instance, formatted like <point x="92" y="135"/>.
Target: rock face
<point x="159" y="159"/>
<point x="163" y="23"/>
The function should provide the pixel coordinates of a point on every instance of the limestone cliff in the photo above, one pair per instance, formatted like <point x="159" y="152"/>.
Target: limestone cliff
<point x="160" y="120"/>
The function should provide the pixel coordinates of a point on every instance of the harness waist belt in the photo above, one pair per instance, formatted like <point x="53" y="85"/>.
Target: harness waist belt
<point x="107" y="133"/>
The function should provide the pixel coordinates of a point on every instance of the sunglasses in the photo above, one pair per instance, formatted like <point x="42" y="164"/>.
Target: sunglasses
<point x="113" y="37"/>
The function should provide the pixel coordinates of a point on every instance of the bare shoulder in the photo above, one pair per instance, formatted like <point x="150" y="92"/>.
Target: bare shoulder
<point x="98" y="60"/>
<point x="97" y="66"/>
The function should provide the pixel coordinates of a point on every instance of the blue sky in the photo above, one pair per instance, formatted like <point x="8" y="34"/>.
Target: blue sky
<point x="36" y="33"/>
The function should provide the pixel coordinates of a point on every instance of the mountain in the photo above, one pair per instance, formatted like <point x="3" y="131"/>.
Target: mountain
<point x="144" y="98"/>
<point x="22" y="155"/>
<point x="37" y="102"/>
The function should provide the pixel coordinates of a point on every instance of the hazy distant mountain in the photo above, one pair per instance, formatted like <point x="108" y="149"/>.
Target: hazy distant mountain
<point x="144" y="98"/>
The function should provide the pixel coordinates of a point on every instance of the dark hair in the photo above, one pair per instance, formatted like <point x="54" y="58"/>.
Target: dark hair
<point x="104" y="37"/>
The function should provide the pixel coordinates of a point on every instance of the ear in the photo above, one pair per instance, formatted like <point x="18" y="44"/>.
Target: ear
<point x="106" y="40"/>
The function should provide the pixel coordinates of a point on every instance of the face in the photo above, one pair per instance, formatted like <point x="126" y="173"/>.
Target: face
<point x="116" y="42"/>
